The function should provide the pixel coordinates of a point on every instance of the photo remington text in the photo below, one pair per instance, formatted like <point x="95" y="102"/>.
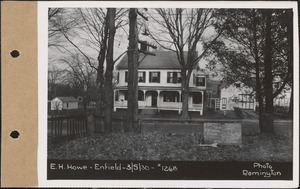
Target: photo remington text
<point x="261" y="170"/>
<point x="133" y="167"/>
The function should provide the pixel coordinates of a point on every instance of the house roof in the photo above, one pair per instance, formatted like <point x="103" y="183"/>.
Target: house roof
<point x="67" y="99"/>
<point x="162" y="60"/>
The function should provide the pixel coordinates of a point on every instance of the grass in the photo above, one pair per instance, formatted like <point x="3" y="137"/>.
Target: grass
<point x="159" y="146"/>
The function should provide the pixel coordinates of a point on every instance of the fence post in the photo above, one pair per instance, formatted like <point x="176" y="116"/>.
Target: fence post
<point x="90" y="124"/>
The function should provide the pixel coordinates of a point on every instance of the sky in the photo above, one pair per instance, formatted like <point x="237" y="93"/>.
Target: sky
<point x="121" y="40"/>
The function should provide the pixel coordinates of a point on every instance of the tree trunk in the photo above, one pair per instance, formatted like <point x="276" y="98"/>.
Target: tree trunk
<point x="109" y="71"/>
<point x="132" y="67"/>
<point x="260" y="111"/>
<point x="100" y="95"/>
<point x="257" y="72"/>
<point x="100" y="70"/>
<point x="100" y="80"/>
<point x="269" y="120"/>
<point x="135" y="94"/>
<point x="185" y="94"/>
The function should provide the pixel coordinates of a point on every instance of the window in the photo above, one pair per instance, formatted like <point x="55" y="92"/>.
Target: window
<point x="118" y="77"/>
<point x="178" y="77"/>
<point x="171" y="96"/>
<point x="154" y="77"/>
<point x="126" y="76"/>
<point x="224" y="103"/>
<point x="245" y="98"/>
<point x="140" y="96"/>
<point x="170" y="78"/>
<point x="241" y="97"/>
<point x="67" y="105"/>
<point x="200" y="81"/>
<point x="197" y="98"/>
<point x="237" y="85"/>
<point x="174" y="77"/>
<point x="117" y="96"/>
<point x="142" y="77"/>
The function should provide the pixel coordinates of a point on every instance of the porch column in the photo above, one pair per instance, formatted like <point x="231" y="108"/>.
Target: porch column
<point x="115" y="109"/>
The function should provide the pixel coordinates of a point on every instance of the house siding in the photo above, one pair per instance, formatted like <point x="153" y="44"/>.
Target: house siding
<point x="163" y="79"/>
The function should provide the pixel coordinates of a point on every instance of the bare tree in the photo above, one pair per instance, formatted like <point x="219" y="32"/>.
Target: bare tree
<point x="58" y="21"/>
<point x="55" y="76"/>
<point x="181" y="30"/>
<point x="90" y="33"/>
<point x="80" y="74"/>
<point x="89" y="28"/>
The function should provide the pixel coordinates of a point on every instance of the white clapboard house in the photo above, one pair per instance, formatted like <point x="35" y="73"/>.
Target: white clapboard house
<point x="64" y="103"/>
<point x="159" y="84"/>
<point x="237" y="95"/>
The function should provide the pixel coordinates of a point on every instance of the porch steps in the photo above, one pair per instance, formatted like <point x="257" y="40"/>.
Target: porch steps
<point x="151" y="111"/>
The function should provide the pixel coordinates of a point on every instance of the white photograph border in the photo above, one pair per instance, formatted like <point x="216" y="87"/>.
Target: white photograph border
<point x="42" y="97"/>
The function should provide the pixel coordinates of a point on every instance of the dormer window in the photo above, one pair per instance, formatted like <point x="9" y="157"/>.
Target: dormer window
<point x="200" y="81"/>
<point x="237" y="85"/>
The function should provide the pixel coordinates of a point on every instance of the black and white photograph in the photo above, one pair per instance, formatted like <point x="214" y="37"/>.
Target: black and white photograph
<point x="171" y="93"/>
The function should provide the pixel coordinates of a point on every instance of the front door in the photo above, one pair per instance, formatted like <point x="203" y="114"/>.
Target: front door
<point x="154" y="99"/>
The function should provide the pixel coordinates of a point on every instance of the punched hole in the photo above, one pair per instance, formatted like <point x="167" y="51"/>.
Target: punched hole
<point x="14" y="134"/>
<point x="14" y="53"/>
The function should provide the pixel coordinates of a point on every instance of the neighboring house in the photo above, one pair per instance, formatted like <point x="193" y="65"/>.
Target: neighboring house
<point x="159" y="81"/>
<point x="282" y="99"/>
<point x="237" y="95"/>
<point x="66" y="103"/>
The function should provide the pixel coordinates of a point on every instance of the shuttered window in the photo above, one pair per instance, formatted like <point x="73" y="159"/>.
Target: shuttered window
<point x="154" y="77"/>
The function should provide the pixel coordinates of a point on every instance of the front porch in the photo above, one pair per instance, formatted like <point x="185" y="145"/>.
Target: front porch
<point x="160" y="100"/>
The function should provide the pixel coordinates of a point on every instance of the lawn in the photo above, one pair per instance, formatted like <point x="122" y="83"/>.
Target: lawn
<point x="163" y="147"/>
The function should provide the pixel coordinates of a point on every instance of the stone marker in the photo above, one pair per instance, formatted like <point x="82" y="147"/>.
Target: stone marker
<point x="226" y="134"/>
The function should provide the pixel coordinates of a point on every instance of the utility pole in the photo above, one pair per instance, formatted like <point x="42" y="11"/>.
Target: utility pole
<point x="133" y="63"/>
<point x="132" y="69"/>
